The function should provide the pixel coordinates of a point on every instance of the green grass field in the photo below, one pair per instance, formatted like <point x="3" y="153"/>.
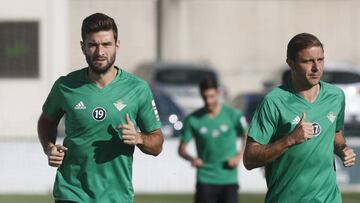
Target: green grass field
<point x="168" y="198"/>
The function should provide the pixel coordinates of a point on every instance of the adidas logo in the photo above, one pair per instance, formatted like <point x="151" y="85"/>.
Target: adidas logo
<point x="296" y="120"/>
<point x="80" y="105"/>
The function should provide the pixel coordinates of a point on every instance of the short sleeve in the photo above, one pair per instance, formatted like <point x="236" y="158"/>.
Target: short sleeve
<point x="186" y="134"/>
<point x="148" y="118"/>
<point x="240" y="123"/>
<point x="264" y="123"/>
<point x="53" y="104"/>
<point x="341" y="115"/>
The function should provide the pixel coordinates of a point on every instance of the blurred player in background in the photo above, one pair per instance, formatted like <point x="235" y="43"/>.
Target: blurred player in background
<point x="215" y="128"/>
<point x="103" y="106"/>
<point x="297" y="129"/>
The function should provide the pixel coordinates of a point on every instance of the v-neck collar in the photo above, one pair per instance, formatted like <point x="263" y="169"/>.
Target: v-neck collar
<point x="217" y="115"/>
<point x="302" y="99"/>
<point x="97" y="88"/>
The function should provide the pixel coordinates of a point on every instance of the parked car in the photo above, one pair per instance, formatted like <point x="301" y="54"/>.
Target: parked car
<point x="179" y="81"/>
<point x="171" y="116"/>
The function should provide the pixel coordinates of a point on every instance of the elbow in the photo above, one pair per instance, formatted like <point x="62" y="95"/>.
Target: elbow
<point x="157" y="152"/>
<point x="248" y="166"/>
<point x="247" y="162"/>
<point x="159" y="147"/>
<point x="180" y="151"/>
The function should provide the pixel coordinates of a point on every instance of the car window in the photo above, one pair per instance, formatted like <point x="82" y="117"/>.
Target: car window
<point x="182" y="76"/>
<point x="166" y="107"/>
<point x="340" y="77"/>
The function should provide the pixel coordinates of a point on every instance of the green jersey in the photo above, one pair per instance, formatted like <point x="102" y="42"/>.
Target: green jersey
<point x="215" y="143"/>
<point x="98" y="166"/>
<point x="305" y="172"/>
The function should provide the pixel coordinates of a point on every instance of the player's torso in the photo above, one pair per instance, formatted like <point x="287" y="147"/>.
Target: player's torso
<point x="215" y="139"/>
<point x="215" y="136"/>
<point x="96" y="154"/>
<point x="305" y="168"/>
<point x="90" y="110"/>
<point x="322" y="113"/>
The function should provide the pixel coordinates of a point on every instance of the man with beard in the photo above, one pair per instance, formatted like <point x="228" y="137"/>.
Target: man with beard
<point x="297" y="129"/>
<point x="103" y="107"/>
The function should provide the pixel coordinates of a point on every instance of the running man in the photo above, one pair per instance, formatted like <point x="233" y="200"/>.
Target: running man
<point x="103" y="107"/>
<point x="297" y="129"/>
<point x="215" y="128"/>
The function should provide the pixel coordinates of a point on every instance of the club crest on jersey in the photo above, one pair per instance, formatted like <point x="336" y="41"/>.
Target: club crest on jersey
<point x="316" y="128"/>
<point x="99" y="114"/>
<point x="120" y="105"/>
<point x="331" y="116"/>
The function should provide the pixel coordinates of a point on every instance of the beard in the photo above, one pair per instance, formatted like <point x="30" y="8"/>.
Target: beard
<point x="98" y="69"/>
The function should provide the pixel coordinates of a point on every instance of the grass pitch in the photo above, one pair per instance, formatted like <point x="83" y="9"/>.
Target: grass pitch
<point x="158" y="198"/>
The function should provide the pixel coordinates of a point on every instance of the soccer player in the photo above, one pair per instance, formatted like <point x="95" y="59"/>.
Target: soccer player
<point x="297" y="129"/>
<point x="215" y="128"/>
<point x="103" y="107"/>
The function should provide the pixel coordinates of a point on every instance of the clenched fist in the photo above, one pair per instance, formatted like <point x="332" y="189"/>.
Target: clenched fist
<point x="56" y="154"/>
<point x="348" y="156"/>
<point x="197" y="163"/>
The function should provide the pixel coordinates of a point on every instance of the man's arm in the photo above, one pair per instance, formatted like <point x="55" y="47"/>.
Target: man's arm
<point x="345" y="153"/>
<point x="195" y="162"/>
<point x="149" y="143"/>
<point x="258" y="155"/>
<point x="47" y="130"/>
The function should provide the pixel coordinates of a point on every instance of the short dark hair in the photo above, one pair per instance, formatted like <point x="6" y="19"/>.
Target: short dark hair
<point x="98" y="22"/>
<point x="302" y="41"/>
<point x="208" y="83"/>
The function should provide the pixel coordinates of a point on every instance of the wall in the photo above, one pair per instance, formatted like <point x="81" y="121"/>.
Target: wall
<point x="136" y="22"/>
<point x="246" y="40"/>
<point x="21" y="99"/>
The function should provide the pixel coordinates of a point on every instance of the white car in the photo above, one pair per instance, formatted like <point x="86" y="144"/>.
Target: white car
<point x="178" y="80"/>
<point x="347" y="77"/>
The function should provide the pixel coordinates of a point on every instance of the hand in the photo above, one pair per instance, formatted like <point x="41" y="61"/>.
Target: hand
<point x="233" y="162"/>
<point x="129" y="134"/>
<point x="348" y="157"/>
<point x="197" y="163"/>
<point x="55" y="154"/>
<point x="302" y="132"/>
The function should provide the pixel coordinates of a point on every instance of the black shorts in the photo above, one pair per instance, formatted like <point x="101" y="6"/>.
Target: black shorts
<point x="207" y="193"/>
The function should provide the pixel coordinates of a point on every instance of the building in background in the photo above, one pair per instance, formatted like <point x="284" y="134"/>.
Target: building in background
<point x="243" y="40"/>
